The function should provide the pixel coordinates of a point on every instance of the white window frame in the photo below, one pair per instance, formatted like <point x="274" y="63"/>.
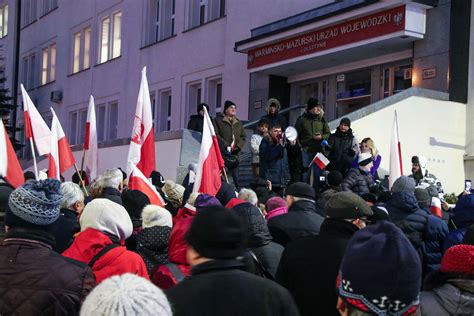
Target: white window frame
<point x="29" y="12"/>
<point x="194" y="96"/>
<point x="110" y="37"/>
<point x="161" y="20"/>
<point x="73" y="127"/>
<point x="164" y="109"/>
<point x="201" y="12"/>
<point x="81" y="45"/>
<point x="4" y="21"/>
<point x="213" y="86"/>
<point x="111" y="129"/>
<point x="48" y="6"/>
<point x="48" y="63"/>
<point x="28" y="70"/>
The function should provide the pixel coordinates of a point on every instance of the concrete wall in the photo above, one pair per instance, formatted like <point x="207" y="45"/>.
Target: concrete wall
<point x="469" y="158"/>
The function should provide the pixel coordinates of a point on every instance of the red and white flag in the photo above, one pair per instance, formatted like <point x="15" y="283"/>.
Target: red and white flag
<point x="10" y="168"/>
<point x="396" y="168"/>
<point x="60" y="157"/>
<point x="90" y="142"/>
<point x="35" y="126"/>
<point x="208" y="178"/>
<point x="435" y="208"/>
<point x="142" y="145"/>
<point x="138" y="181"/>
<point x="320" y="160"/>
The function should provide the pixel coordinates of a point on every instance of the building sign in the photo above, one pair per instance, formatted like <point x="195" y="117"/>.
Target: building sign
<point x="351" y="31"/>
<point x="429" y="73"/>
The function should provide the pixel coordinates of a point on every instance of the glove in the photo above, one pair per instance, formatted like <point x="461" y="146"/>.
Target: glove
<point x="324" y="143"/>
<point x="236" y="150"/>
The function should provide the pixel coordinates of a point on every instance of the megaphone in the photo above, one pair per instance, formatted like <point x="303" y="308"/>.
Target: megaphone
<point x="291" y="133"/>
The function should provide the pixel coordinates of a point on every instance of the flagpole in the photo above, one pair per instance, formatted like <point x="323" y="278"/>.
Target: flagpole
<point x="34" y="158"/>
<point x="83" y="156"/>
<point x="225" y="175"/>
<point x="81" y="180"/>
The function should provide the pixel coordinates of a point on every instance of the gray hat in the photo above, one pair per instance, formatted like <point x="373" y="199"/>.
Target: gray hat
<point x="404" y="184"/>
<point x="423" y="197"/>
<point x="347" y="205"/>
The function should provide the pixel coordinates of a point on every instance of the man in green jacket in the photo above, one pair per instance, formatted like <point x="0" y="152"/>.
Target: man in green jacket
<point x="312" y="131"/>
<point x="231" y="131"/>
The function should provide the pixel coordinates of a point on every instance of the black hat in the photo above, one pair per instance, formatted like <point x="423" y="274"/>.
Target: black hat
<point x="134" y="201"/>
<point x="369" y="197"/>
<point x="29" y="175"/>
<point x="380" y="214"/>
<point x="345" y="121"/>
<point x="334" y="178"/>
<point x="302" y="190"/>
<point x="201" y="106"/>
<point x="217" y="233"/>
<point x="124" y="174"/>
<point x="347" y="205"/>
<point x="228" y="104"/>
<point x="157" y="179"/>
<point x="312" y="103"/>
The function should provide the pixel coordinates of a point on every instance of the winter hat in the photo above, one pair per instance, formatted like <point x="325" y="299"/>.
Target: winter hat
<point x="203" y="201"/>
<point x="364" y="159"/>
<point x="35" y="202"/>
<point x="228" y="104"/>
<point x="276" y="202"/>
<point x="369" y="197"/>
<point x="134" y="201"/>
<point x="234" y="202"/>
<point x="217" y="233"/>
<point x="334" y="178"/>
<point x="423" y="197"/>
<point x="302" y="190"/>
<point x="157" y="179"/>
<point x="345" y="121"/>
<point x="108" y="217"/>
<point x="380" y="272"/>
<point x="312" y="103"/>
<point x="469" y="236"/>
<point x="347" y="205"/>
<point x="380" y="214"/>
<point x="404" y="184"/>
<point x="420" y="160"/>
<point x="154" y="215"/>
<point x="458" y="259"/>
<point x="273" y="102"/>
<point x="201" y="106"/>
<point x="29" y="175"/>
<point x="126" y="294"/>
<point x="174" y="191"/>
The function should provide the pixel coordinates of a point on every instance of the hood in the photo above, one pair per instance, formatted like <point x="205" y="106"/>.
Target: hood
<point x="404" y="201"/>
<point x="270" y="101"/>
<point x="155" y="238"/>
<point x="455" y="301"/>
<point x="257" y="231"/>
<point x="87" y="244"/>
<point x="177" y="245"/>
<point x="464" y="211"/>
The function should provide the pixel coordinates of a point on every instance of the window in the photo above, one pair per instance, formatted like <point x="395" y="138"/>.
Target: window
<point x="28" y="65"/>
<point x="164" y="110"/>
<point x="82" y="125"/>
<point x="353" y="91"/>
<point x="203" y="11"/>
<point x="110" y="37"/>
<point x="4" y="21"/>
<point x="161" y="20"/>
<point x="101" y="122"/>
<point x="153" y="110"/>
<point x="107" y="121"/>
<point x="214" y="89"/>
<point x="193" y="97"/>
<point x="81" y="50"/>
<point x="28" y="12"/>
<point x="112" y="120"/>
<point x="49" y="5"/>
<point x="72" y="127"/>
<point x="48" y="64"/>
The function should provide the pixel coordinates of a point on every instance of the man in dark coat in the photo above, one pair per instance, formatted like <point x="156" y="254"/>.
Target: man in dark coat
<point x="303" y="218"/>
<point x="35" y="280"/>
<point x="217" y="285"/>
<point x="196" y="122"/>
<point x="5" y="190"/>
<point x="309" y="266"/>
<point x="343" y="147"/>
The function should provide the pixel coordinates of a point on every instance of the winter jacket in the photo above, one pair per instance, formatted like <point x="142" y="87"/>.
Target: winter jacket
<point x="35" y="280"/>
<point x="463" y="217"/>
<point x="226" y="193"/>
<point x="220" y="287"/>
<point x="453" y="298"/>
<point x="65" y="228"/>
<point x="196" y="123"/>
<point x="435" y="235"/>
<point x="5" y="191"/>
<point x="274" y="163"/>
<point x="276" y="119"/>
<point x="342" y="150"/>
<point x="112" y="194"/>
<point x="357" y="181"/>
<point x="185" y="212"/>
<point x="225" y="129"/>
<point x="116" y="261"/>
<point x="276" y="212"/>
<point x="152" y="246"/>
<point x="307" y="125"/>
<point x="162" y="276"/>
<point x="375" y="166"/>
<point x="259" y="239"/>
<point x="302" y="220"/>
<point x="426" y="179"/>
<point x="255" y="142"/>
<point x="309" y="267"/>
<point x="295" y="162"/>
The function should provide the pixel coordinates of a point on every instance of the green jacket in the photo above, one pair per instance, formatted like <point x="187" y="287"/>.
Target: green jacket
<point x="225" y="129"/>
<point x="307" y="125"/>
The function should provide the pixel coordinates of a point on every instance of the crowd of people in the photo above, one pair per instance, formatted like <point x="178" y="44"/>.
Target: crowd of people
<point x="300" y="240"/>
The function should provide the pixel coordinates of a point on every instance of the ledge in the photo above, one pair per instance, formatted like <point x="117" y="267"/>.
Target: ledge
<point x="158" y="42"/>
<point x="108" y="61"/>
<point x="78" y="72"/>
<point x="205" y="23"/>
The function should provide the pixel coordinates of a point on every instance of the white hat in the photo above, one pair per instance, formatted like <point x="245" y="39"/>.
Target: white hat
<point x="126" y="294"/>
<point x="364" y="159"/>
<point x="108" y="217"/>
<point x="153" y="215"/>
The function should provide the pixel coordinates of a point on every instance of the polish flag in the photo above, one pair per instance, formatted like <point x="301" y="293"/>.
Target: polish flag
<point x="396" y="169"/>
<point x="35" y="127"/>
<point x="10" y="168"/>
<point x="60" y="157"/>
<point x="435" y="208"/>
<point x="138" y="182"/>
<point x="208" y="178"/>
<point x="90" y="141"/>
<point x="142" y="145"/>
<point x="320" y="160"/>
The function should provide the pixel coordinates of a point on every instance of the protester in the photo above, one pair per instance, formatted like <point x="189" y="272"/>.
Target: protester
<point x="343" y="147"/>
<point x="29" y="176"/>
<point x="276" y="206"/>
<point x="421" y="175"/>
<point x="309" y="266"/>
<point x="273" y="115"/>
<point x="203" y="201"/>
<point x="126" y="295"/>
<point x="302" y="219"/>
<point x="110" y="185"/>
<point x="332" y="186"/>
<point x="463" y="217"/>
<point x="359" y="180"/>
<point x="367" y="146"/>
<point x="158" y="181"/>
<point x="77" y="180"/>
<point x="104" y="227"/>
<point x="34" y="279"/>
<point x="230" y="129"/>
<point x="175" y="195"/>
<point x="196" y="122"/>
<point x="134" y="201"/>
<point x="312" y="130"/>
<point x="5" y="190"/>
<point x="263" y="190"/>
<point x="188" y="209"/>
<point x="226" y="193"/>
<point x="295" y="161"/>
<point x="217" y="284"/>
<point x="248" y="195"/>
<point x="449" y="291"/>
<point x="152" y="240"/>
<point x="380" y="273"/>
<point x="255" y="141"/>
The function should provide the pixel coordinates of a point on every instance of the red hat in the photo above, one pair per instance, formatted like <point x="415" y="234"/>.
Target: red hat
<point x="459" y="259"/>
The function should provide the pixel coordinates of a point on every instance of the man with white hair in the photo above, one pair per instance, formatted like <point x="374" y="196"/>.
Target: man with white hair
<point x="249" y="196"/>
<point x="112" y="185"/>
<point x="422" y="177"/>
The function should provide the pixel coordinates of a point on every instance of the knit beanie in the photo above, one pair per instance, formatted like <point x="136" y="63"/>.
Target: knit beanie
<point x="302" y="190"/>
<point x="469" y="236"/>
<point x="345" y="121"/>
<point x="134" y="201"/>
<point x="404" y="184"/>
<point x="217" y="233"/>
<point x="276" y="202"/>
<point x="34" y="203"/>
<point x="347" y="205"/>
<point x="203" y="201"/>
<point x="380" y="272"/>
<point x="126" y="294"/>
<point x="228" y="104"/>
<point x="334" y="178"/>
<point x="157" y="179"/>
<point x="154" y="215"/>
<point x="458" y="259"/>
<point x="312" y="103"/>
<point x="423" y="197"/>
<point x="174" y="191"/>
<point x="364" y="159"/>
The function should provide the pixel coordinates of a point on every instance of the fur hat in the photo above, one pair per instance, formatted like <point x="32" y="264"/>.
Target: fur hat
<point x="347" y="205"/>
<point x="157" y="179"/>
<point x="126" y="294"/>
<point x="404" y="184"/>
<point x="458" y="259"/>
<point x="302" y="190"/>
<point x="364" y="159"/>
<point x="421" y="161"/>
<point x="154" y="215"/>
<point x="274" y="102"/>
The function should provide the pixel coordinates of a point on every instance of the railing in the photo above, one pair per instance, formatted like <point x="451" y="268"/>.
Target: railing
<point x="252" y="124"/>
